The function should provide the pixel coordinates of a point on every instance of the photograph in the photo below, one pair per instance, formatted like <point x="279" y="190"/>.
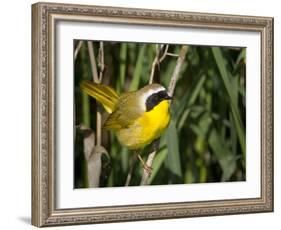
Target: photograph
<point x="158" y="114"/>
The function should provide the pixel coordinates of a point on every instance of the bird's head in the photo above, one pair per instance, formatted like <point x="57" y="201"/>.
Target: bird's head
<point x="151" y="95"/>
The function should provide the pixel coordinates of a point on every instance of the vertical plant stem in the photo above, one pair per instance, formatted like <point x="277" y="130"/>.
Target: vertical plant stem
<point x="101" y="61"/>
<point x="77" y="49"/>
<point x="96" y="170"/>
<point x="98" y="128"/>
<point x="172" y="85"/>
<point x="93" y="62"/>
<point x="177" y="69"/>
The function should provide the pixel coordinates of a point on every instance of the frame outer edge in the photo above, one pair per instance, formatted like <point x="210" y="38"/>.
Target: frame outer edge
<point x="272" y="132"/>
<point x="270" y="84"/>
<point x="268" y="114"/>
<point x="42" y="214"/>
<point x="35" y="171"/>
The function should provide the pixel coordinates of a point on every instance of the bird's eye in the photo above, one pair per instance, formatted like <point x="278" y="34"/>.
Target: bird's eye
<point x="163" y="95"/>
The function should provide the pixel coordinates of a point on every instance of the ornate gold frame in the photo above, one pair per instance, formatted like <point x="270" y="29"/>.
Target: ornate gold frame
<point x="44" y="17"/>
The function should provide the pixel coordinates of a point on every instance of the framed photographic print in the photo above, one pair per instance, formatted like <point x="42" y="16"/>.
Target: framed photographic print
<point x="143" y="114"/>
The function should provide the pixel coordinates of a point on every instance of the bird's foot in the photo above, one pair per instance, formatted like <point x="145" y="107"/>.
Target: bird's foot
<point x="147" y="168"/>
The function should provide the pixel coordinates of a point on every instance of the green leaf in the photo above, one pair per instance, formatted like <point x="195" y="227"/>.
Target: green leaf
<point x="202" y="126"/>
<point x="233" y="133"/>
<point x="242" y="56"/>
<point x="224" y="156"/>
<point x="173" y="159"/>
<point x="138" y="69"/>
<point x="225" y="76"/>
<point x="183" y="110"/>
<point x="204" y="130"/>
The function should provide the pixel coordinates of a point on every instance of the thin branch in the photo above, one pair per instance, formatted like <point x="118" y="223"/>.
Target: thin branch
<point x="76" y="51"/>
<point x="98" y="126"/>
<point x="171" y="54"/>
<point x="164" y="54"/>
<point x="154" y="63"/>
<point x="93" y="62"/>
<point x="157" y="60"/>
<point x="177" y="69"/>
<point x="174" y="78"/>
<point x="101" y="61"/>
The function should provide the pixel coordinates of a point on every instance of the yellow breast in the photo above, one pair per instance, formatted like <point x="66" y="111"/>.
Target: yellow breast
<point x="146" y="128"/>
<point x="155" y="121"/>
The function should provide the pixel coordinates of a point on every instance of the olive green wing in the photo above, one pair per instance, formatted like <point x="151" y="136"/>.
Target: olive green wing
<point x="126" y="112"/>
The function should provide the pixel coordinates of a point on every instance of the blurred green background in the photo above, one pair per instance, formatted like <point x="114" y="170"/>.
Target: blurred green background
<point x="205" y="141"/>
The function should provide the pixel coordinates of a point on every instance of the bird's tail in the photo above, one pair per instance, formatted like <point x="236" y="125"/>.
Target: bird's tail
<point x="102" y="93"/>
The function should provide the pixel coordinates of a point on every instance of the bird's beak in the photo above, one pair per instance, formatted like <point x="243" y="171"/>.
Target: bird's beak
<point x="168" y="97"/>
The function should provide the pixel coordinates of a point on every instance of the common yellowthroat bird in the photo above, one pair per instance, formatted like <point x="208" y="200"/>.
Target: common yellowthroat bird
<point x="138" y="117"/>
